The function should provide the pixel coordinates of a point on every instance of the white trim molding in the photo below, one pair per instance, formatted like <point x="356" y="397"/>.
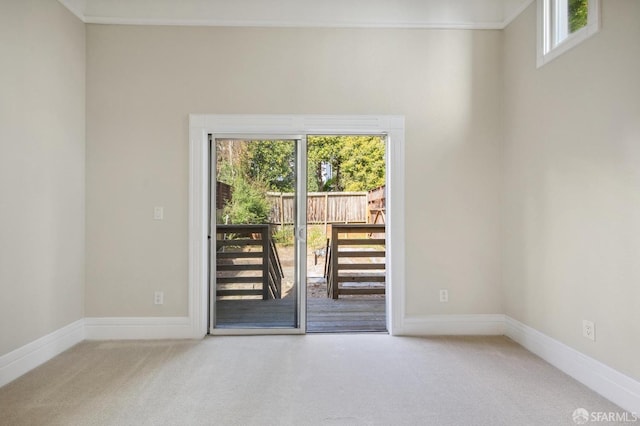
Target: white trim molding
<point x="77" y="7"/>
<point x="143" y="328"/>
<point x="406" y="14"/>
<point x="611" y="384"/>
<point x="606" y="381"/>
<point x="451" y="325"/>
<point x="26" y="358"/>
<point x="512" y="15"/>
<point x="294" y="24"/>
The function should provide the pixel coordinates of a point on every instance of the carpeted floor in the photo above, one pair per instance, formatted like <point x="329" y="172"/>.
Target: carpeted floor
<point x="340" y="379"/>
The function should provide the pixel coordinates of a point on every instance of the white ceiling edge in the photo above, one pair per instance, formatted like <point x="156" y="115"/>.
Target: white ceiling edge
<point x="296" y="24"/>
<point x="419" y="14"/>
<point x="77" y="7"/>
<point x="515" y="10"/>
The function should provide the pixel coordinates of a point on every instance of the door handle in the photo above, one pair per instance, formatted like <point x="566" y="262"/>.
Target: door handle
<point x="302" y="233"/>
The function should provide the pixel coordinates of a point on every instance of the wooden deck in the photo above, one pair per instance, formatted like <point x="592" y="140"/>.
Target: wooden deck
<point x="347" y="314"/>
<point x="272" y="313"/>
<point x="324" y="315"/>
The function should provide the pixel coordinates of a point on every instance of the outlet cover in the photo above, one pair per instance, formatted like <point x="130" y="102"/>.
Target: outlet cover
<point x="444" y="295"/>
<point x="158" y="298"/>
<point x="589" y="330"/>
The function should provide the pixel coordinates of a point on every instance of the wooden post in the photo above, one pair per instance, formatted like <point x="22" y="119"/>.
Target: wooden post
<point x="266" y="248"/>
<point x="326" y="213"/>
<point x="334" y="263"/>
<point x="281" y="211"/>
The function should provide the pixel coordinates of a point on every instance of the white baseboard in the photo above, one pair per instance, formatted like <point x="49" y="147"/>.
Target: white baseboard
<point x="613" y="385"/>
<point x="119" y="328"/>
<point x="442" y="325"/>
<point x="26" y="358"/>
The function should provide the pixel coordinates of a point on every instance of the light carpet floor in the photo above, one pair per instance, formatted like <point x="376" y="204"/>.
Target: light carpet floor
<point x="340" y="379"/>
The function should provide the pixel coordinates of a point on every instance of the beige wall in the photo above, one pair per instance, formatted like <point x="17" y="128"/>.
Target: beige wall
<point x="142" y="82"/>
<point x="572" y="180"/>
<point x="42" y="121"/>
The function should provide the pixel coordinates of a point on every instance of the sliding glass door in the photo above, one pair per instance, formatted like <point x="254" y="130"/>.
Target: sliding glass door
<point x="257" y="233"/>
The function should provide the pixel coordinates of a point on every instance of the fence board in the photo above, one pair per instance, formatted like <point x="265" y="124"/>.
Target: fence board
<point x="322" y="207"/>
<point x="224" y="193"/>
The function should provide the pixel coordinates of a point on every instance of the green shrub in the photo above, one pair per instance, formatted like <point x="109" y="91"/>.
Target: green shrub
<point x="284" y="235"/>
<point x="315" y="237"/>
<point x="248" y="204"/>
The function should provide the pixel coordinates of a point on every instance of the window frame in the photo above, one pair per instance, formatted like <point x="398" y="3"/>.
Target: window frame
<point x="549" y="26"/>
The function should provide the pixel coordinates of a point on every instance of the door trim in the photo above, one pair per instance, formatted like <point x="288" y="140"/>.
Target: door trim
<point x="203" y="125"/>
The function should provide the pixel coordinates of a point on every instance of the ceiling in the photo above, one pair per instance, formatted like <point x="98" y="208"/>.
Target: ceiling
<point x="468" y="14"/>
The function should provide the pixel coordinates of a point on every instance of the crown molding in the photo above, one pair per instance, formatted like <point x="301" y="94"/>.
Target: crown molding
<point x="77" y="7"/>
<point x="516" y="12"/>
<point x="403" y="14"/>
<point x="292" y="24"/>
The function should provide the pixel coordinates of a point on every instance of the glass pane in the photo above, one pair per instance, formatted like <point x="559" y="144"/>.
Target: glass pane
<point x="578" y="14"/>
<point x="346" y="210"/>
<point x="255" y="221"/>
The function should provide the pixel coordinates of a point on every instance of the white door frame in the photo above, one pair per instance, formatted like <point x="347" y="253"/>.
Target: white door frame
<point x="202" y="125"/>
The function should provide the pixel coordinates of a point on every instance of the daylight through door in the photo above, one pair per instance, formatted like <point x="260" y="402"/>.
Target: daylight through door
<point x="256" y="280"/>
<point x="298" y="234"/>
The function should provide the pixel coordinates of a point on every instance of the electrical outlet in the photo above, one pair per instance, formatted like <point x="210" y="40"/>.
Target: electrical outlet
<point x="589" y="330"/>
<point x="158" y="298"/>
<point x="444" y="295"/>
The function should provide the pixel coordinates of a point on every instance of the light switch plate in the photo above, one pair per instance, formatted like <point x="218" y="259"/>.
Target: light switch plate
<point x="158" y="213"/>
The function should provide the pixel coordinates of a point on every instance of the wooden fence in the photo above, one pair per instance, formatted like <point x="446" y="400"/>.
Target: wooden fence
<point x="377" y="205"/>
<point x="322" y="207"/>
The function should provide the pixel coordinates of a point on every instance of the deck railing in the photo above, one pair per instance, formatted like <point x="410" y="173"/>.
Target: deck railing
<point x="353" y="258"/>
<point x="243" y="270"/>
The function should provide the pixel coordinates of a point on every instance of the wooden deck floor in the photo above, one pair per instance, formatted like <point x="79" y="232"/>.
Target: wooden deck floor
<point x="273" y="313"/>
<point x="324" y="315"/>
<point x="346" y="315"/>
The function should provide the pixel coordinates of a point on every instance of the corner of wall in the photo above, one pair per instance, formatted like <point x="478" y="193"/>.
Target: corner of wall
<point x="26" y="358"/>
<point x="597" y="376"/>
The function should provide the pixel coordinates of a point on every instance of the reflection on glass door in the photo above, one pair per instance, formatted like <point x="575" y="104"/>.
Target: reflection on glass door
<point x="256" y="277"/>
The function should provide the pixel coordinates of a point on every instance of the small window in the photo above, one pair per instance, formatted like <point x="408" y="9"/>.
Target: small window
<point x="563" y="24"/>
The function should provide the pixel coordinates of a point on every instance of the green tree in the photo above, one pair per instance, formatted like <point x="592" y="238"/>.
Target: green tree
<point x="578" y="14"/>
<point x="358" y="162"/>
<point x="272" y="163"/>
<point x="324" y="149"/>
<point x="363" y="167"/>
<point x="229" y="155"/>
